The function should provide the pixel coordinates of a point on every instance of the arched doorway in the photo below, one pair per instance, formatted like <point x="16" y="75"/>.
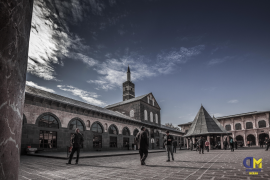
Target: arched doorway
<point x="251" y="138"/>
<point x="97" y="131"/>
<point x="263" y="136"/>
<point x="240" y="140"/>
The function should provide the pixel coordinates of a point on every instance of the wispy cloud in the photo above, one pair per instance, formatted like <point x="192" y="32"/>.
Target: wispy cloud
<point x="90" y="97"/>
<point x="30" y="83"/>
<point x="219" y="60"/>
<point x="112" y="71"/>
<point x="233" y="101"/>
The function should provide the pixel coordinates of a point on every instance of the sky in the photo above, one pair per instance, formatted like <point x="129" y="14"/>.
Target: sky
<point x="187" y="53"/>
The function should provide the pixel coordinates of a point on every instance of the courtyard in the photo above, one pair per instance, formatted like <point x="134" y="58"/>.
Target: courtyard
<point x="216" y="164"/>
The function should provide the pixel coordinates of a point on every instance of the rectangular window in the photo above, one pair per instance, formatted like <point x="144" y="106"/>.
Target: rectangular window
<point x="48" y="139"/>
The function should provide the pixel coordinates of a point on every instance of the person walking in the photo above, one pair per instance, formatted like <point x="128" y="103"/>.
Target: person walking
<point x="143" y="145"/>
<point x="232" y="145"/>
<point x="201" y="143"/>
<point x="207" y="145"/>
<point x="267" y="143"/>
<point x="169" y="145"/>
<point x="174" y="146"/>
<point x="76" y="143"/>
<point x="235" y="144"/>
<point x="261" y="143"/>
<point x="225" y="144"/>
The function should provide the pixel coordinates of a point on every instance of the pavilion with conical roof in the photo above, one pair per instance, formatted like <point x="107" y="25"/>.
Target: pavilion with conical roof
<point x="205" y="125"/>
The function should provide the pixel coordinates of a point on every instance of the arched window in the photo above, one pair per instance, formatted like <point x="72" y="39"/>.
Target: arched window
<point x="148" y="99"/>
<point x="249" y="125"/>
<point x="48" y="121"/>
<point x="131" y="113"/>
<point x="76" y="124"/>
<point x="153" y="102"/>
<point x="156" y="118"/>
<point x="113" y="129"/>
<point x="125" y="132"/>
<point x="238" y="126"/>
<point x="88" y="123"/>
<point x="151" y="116"/>
<point x="262" y="124"/>
<point x="228" y="127"/>
<point x="96" y="127"/>
<point x="136" y="131"/>
<point x="145" y="115"/>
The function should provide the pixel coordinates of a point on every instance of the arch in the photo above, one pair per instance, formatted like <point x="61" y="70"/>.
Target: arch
<point x="24" y="120"/>
<point x="228" y="127"/>
<point x="95" y="127"/>
<point x="251" y="138"/>
<point x="145" y="115"/>
<point x="76" y="123"/>
<point x="151" y="117"/>
<point x="249" y="125"/>
<point x="239" y="138"/>
<point x="131" y="113"/>
<point x="156" y="118"/>
<point x="262" y="136"/>
<point x="238" y="126"/>
<point x="135" y="132"/>
<point x="88" y="123"/>
<point x="113" y="129"/>
<point x="49" y="114"/>
<point x="262" y="124"/>
<point x="126" y="131"/>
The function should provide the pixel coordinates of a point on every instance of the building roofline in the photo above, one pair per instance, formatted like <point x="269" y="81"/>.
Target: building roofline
<point x="242" y="114"/>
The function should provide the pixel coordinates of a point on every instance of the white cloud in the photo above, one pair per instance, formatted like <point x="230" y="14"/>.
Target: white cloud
<point x="30" y="83"/>
<point x="90" y="97"/>
<point x="233" y="101"/>
<point x="219" y="60"/>
<point x="113" y="71"/>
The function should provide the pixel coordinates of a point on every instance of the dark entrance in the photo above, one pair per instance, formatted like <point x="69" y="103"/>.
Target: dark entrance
<point x="263" y="136"/>
<point x="125" y="142"/>
<point x="251" y="139"/>
<point x="97" y="141"/>
<point x="113" y="142"/>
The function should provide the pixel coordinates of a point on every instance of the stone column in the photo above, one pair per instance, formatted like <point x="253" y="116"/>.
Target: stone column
<point x="187" y="143"/>
<point x="245" y="140"/>
<point x="208" y="139"/>
<point x="221" y="141"/>
<point x="256" y="136"/>
<point x="15" y="25"/>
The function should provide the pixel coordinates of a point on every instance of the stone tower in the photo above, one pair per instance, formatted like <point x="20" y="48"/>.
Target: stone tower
<point x="128" y="88"/>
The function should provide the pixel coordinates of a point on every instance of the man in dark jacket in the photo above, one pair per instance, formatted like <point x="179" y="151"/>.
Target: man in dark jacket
<point x="76" y="143"/>
<point x="267" y="142"/>
<point x="174" y="146"/>
<point x="201" y="143"/>
<point x="143" y="145"/>
<point x="169" y="145"/>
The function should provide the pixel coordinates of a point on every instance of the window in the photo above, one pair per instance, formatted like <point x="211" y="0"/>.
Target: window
<point x="262" y="124"/>
<point x="238" y="126"/>
<point x="48" y="121"/>
<point x="96" y="127"/>
<point x="145" y="115"/>
<point x="131" y="113"/>
<point x="148" y="99"/>
<point x="47" y="139"/>
<point x="126" y="132"/>
<point x="135" y="132"/>
<point x="228" y="127"/>
<point x="113" y="130"/>
<point x="153" y="102"/>
<point x="249" y="125"/>
<point x="76" y="124"/>
<point x="151" y="116"/>
<point x="156" y="118"/>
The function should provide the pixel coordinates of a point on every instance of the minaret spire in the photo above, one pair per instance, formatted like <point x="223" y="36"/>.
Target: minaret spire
<point x="128" y="74"/>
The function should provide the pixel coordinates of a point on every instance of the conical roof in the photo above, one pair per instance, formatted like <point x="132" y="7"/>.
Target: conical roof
<point x="204" y="124"/>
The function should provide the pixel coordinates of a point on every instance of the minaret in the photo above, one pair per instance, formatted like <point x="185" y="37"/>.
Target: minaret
<point x="128" y="87"/>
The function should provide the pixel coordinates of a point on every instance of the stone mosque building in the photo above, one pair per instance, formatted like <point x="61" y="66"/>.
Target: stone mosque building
<point x="49" y="120"/>
<point x="247" y="128"/>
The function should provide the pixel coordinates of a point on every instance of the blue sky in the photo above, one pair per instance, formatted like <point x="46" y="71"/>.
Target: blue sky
<point x="186" y="53"/>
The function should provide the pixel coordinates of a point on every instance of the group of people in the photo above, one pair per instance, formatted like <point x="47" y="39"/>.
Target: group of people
<point x="143" y="145"/>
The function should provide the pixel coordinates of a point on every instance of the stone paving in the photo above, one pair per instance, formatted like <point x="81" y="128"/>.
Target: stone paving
<point x="213" y="165"/>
